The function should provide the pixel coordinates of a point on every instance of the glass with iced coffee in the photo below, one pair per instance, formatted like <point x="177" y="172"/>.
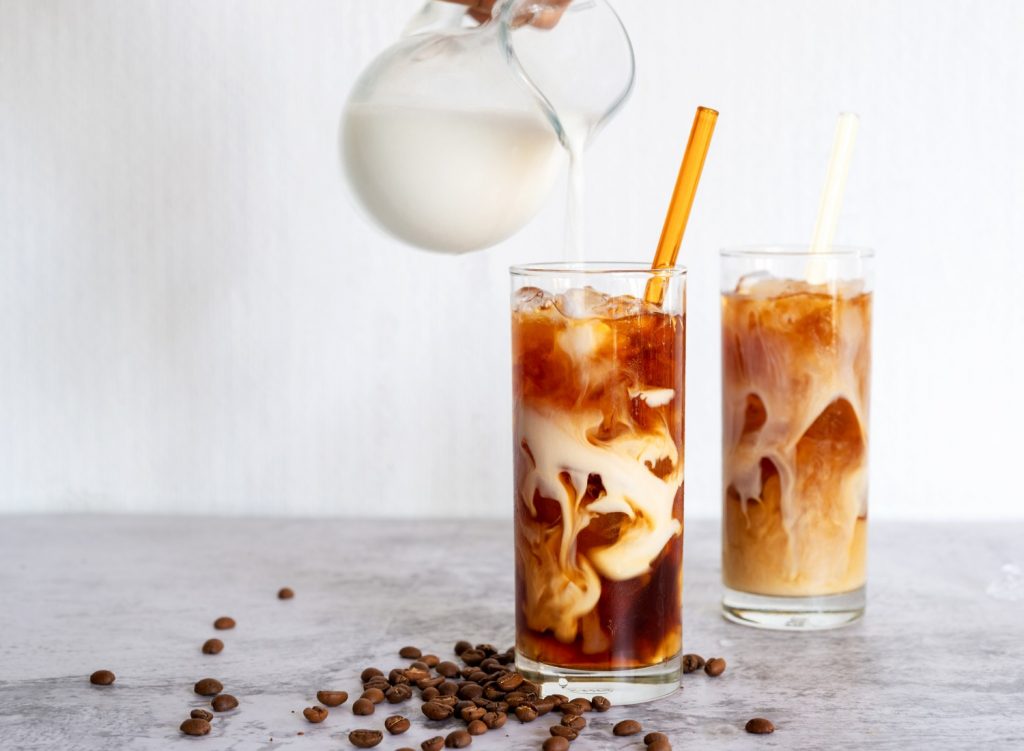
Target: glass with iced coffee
<point x="796" y="361"/>
<point x="598" y="391"/>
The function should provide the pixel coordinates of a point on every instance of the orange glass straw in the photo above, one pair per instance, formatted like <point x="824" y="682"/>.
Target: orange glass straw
<point x="682" y="200"/>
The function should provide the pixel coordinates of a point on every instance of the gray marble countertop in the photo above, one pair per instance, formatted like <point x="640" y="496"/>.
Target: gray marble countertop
<point x="937" y="663"/>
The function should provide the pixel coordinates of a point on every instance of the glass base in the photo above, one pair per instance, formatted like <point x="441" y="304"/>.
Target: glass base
<point x="627" y="686"/>
<point x="794" y="613"/>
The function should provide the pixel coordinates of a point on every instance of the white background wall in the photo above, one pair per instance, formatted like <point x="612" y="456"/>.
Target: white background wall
<point x="191" y="310"/>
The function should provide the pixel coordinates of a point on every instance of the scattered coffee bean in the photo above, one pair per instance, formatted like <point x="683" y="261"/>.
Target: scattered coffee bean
<point x="208" y="687"/>
<point x="462" y="646"/>
<point x="600" y="704"/>
<point x="365" y="738"/>
<point x="430" y="661"/>
<point x="224" y="623"/>
<point x="476" y="727"/>
<point x="526" y="713"/>
<point x="195" y="726"/>
<point x="418" y="665"/>
<point x="332" y="698"/>
<point x="574" y="721"/>
<point x="373" y="694"/>
<point x="627" y="727"/>
<point x="201" y="714"/>
<point x="224" y="703"/>
<point x="543" y="706"/>
<point x="101" y="678"/>
<point x="212" y="646"/>
<point x="692" y="662"/>
<point x="433" y="744"/>
<point x="435" y="710"/>
<point x="567" y="707"/>
<point x="715" y="667"/>
<point x="494" y="720"/>
<point x="397" y="694"/>
<point x="410" y="653"/>
<point x="563" y="732"/>
<point x="472" y="712"/>
<point x="556" y="743"/>
<point x="431" y="682"/>
<point x="429" y="693"/>
<point x="406" y="748"/>
<point x="583" y="704"/>
<point x="470" y="691"/>
<point x="760" y="726"/>
<point x="362" y="707"/>
<point x="396" y="724"/>
<point x="285" y="593"/>
<point x="369" y="673"/>
<point x="472" y="657"/>
<point x="510" y="682"/>
<point x="488" y="650"/>
<point x="458" y="739"/>
<point x="659" y="746"/>
<point x="315" y="714"/>
<point x="379" y="682"/>
<point x="448" y="688"/>
<point x="447" y="669"/>
<point x="652" y="737"/>
<point x="558" y="698"/>
<point x="450" y="701"/>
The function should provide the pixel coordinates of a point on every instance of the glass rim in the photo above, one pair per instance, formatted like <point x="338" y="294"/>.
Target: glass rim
<point x="836" y="252"/>
<point x="595" y="268"/>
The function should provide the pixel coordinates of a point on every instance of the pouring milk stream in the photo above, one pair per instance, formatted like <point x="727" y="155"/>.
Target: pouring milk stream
<point x="454" y="137"/>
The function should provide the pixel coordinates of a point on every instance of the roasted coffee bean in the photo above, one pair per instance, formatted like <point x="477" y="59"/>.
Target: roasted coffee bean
<point x="558" y="698"/>
<point x="397" y="694"/>
<point x="652" y="737"/>
<point x="448" y="688"/>
<point x="410" y="653"/>
<point x="487" y="649"/>
<point x="472" y="713"/>
<point x="476" y="727"/>
<point x="397" y="676"/>
<point x="429" y="693"/>
<point x="510" y="682"/>
<point x="467" y="671"/>
<point x="627" y="727"/>
<point x="659" y="746"/>
<point x="463" y="704"/>
<point x="499" y="706"/>
<point x="583" y="704"/>
<point x="531" y="689"/>
<point x="462" y="646"/>
<point x="563" y="732"/>
<point x="493" y="693"/>
<point x="447" y="669"/>
<point x="416" y="674"/>
<point x="208" y="687"/>
<point x="494" y="720"/>
<point x="505" y="658"/>
<point x="396" y="724"/>
<point x="458" y="739"/>
<point x="369" y="673"/>
<point x="715" y="666"/>
<point x="332" y="698"/>
<point x="365" y="738"/>
<point x="433" y="744"/>
<point x="224" y="703"/>
<point x="448" y="701"/>
<point x="420" y="665"/>
<point x="378" y="682"/>
<point x="435" y="710"/>
<point x="315" y="714"/>
<point x="472" y="657"/>
<point x="760" y="726"/>
<point x="195" y="726"/>
<point x="430" y="661"/>
<point x="516" y="698"/>
<point x="285" y="593"/>
<point x="431" y="682"/>
<point x="373" y="694"/>
<point x="526" y="713"/>
<point x="491" y="665"/>
<point x="692" y="662"/>
<point x="567" y="707"/>
<point x="362" y="707"/>
<point x="212" y="646"/>
<point x="575" y="721"/>
<point x="481" y="701"/>
<point x="101" y="678"/>
<point x="470" y="691"/>
<point x="600" y="704"/>
<point x="556" y="743"/>
<point x="201" y="714"/>
<point x="223" y="623"/>
<point x="478" y="676"/>
<point x="406" y="748"/>
<point x="543" y="706"/>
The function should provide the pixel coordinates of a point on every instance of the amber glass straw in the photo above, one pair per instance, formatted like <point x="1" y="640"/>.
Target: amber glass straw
<point x="682" y="200"/>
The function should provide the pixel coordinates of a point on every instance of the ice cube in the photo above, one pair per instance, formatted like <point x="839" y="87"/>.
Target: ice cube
<point x="580" y="303"/>
<point x="530" y="300"/>
<point x="747" y="282"/>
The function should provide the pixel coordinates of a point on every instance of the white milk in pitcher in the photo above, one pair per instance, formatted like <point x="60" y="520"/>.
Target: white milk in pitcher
<point x="450" y="180"/>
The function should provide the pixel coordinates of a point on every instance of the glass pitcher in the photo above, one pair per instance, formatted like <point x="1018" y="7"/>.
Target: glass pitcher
<point x="453" y="137"/>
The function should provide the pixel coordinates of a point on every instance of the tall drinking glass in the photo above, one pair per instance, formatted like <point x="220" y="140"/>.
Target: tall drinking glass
<point x="796" y="362"/>
<point x="598" y="390"/>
